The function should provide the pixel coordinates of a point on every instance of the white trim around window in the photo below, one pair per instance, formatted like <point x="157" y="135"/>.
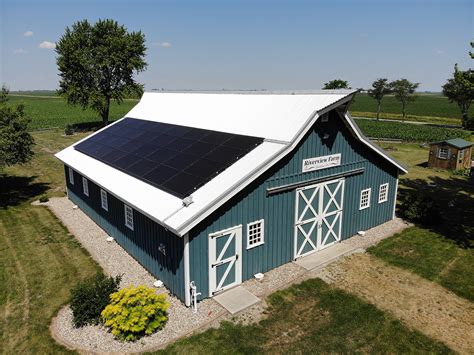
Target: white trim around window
<point x="383" y="193"/>
<point x="85" y="186"/>
<point x="255" y="233"/>
<point x="104" y="200"/>
<point x="128" y="216"/>
<point x="365" y="199"/>
<point x="71" y="176"/>
<point x="443" y="153"/>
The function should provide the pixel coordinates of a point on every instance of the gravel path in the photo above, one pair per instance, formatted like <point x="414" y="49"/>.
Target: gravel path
<point x="116" y="261"/>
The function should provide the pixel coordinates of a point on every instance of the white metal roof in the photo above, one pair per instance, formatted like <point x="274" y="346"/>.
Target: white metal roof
<point x="270" y="116"/>
<point x="282" y="119"/>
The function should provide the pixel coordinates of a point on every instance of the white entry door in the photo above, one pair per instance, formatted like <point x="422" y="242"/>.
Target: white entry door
<point x="318" y="214"/>
<point x="225" y="259"/>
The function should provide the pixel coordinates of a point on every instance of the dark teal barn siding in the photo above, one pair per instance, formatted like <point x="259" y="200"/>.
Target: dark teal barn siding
<point x="278" y="210"/>
<point x="142" y="243"/>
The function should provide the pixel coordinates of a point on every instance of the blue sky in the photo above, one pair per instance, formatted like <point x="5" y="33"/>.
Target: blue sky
<point x="252" y="44"/>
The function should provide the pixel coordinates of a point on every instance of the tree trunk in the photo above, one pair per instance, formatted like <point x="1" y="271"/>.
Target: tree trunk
<point x="105" y="112"/>
<point x="403" y="110"/>
<point x="378" y="110"/>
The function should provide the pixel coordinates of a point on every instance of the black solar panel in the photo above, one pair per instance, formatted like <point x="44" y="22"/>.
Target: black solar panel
<point x="176" y="159"/>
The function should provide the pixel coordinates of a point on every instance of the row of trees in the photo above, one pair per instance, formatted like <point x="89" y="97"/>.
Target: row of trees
<point x="402" y="89"/>
<point x="459" y="89"/>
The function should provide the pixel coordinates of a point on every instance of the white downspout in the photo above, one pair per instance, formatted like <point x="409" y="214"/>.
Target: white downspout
<point x="187" y="291"/>
<point x="395" y="199"/>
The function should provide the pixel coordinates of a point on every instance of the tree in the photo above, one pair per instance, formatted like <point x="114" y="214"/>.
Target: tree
<point x="15" y="142"/>
<point x="404" y="91"/>
<point x="97" y="64"/>
<point x="336" y="84"/>
<point x="380" y="88"/>
<point x="460" y="89"/>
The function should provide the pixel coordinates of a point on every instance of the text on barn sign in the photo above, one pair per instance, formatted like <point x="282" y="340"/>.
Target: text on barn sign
<point x="323" y="162"/>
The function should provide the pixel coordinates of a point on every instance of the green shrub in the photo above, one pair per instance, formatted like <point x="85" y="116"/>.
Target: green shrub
<point x="69" y="130"/>
<point x="135" y="311"/>
<point x="44" y="198"/>
<point x="89" y="298"/>
<point x="421" y="208"/>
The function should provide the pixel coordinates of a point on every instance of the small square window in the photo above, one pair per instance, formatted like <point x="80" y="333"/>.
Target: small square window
<point x="103" y="200"/>
<point x="85" y="186"/>
<point x="325" y="117"/>
<point x="461" y="154"/>
<point x="129" y="217"/>
<point x="443" y="153"/>
<point x="255" y="231"/>
<point x="364" y="199"/>
<point x="71" y="176"/>
<point x="383" y="193"/>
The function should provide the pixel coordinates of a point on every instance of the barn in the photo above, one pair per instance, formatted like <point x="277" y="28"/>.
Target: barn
<point x="213" y="188"/>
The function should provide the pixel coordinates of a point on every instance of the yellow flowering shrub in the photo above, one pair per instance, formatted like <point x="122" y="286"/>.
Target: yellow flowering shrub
<point x="134" y="312"/>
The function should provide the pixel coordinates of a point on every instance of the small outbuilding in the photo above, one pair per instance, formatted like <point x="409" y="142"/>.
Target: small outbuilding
<point x="451" y="154"/>
<point x="209" y="189"/>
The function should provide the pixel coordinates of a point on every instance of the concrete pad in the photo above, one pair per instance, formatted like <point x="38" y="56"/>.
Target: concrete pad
<point x="236" y="299"/>
<point x="324" y="256"/>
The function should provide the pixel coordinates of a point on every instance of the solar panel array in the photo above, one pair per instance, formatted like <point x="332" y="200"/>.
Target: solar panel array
<point x="176" y="159"/>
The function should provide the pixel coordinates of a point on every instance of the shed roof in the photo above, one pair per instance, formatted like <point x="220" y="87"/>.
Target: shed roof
<point x="455" y="142"/>
<point x="280" y="119"/>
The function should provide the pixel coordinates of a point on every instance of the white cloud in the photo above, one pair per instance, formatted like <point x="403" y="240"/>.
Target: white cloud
<point x="20" y="51"/>
<point x="47" y="45"/>
<point x="28" y="34"/>
<point x="162" y="44"/>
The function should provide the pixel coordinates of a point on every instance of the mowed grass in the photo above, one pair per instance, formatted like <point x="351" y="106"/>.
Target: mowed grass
<point x="39" y="260"/>
<point x="426" y="105"/>
<point x="51" y="112"/>
<point x="442" y="253"/>
<point x="433" y="256"/>
<point x="312" y="317"/>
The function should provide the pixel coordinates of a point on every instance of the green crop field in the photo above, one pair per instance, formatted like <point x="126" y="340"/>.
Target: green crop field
<point x="429" y="107"/>
<point x="49" y="112"/>
<point x="409" y="132"/>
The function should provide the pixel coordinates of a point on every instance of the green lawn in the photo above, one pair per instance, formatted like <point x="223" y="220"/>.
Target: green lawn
<point x="312" y="317"/>
<point x="424" y="108"/>
<point x="39" y="260"/>
<point x="442" y="253"/>
<point x="433" y="256"/>
<point x="49" y="112"/>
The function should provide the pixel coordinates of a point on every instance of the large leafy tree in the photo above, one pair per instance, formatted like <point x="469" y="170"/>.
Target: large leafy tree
<point x="15" y="142"/>
<point x="460" y="89"/>
<point x="97" y="63"/>
<point x="336" y="84"/>
<point x="404" y="91"/>
<point x="380" y="88"/>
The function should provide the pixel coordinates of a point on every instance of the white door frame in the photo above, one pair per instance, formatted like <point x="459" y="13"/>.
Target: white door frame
<point x="320" y="216"/>
<point x="233" y="261"/>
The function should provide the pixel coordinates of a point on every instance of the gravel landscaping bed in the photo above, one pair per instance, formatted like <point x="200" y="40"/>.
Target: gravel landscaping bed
<point x="116" y="261"/>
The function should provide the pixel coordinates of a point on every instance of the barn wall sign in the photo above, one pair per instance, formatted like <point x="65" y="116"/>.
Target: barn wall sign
<point x="323" y="162"/>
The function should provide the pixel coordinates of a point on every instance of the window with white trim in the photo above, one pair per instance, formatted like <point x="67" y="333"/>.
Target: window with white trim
<point x="443" y="153"/>
<point x="128" y="216"/>
<point x="383" y="193"/>
<point x="104" y="202"/>
<point x="71" y="176"/>
<point x="85" y="186"/>
<point x="255" y="232"/>
<point x="364" y="199"/>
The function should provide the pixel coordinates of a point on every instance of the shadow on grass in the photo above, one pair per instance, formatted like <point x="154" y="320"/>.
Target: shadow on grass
<point x="454" y="199"/>
<point x="17" y="189"/>
<point x="88" y="126"/>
